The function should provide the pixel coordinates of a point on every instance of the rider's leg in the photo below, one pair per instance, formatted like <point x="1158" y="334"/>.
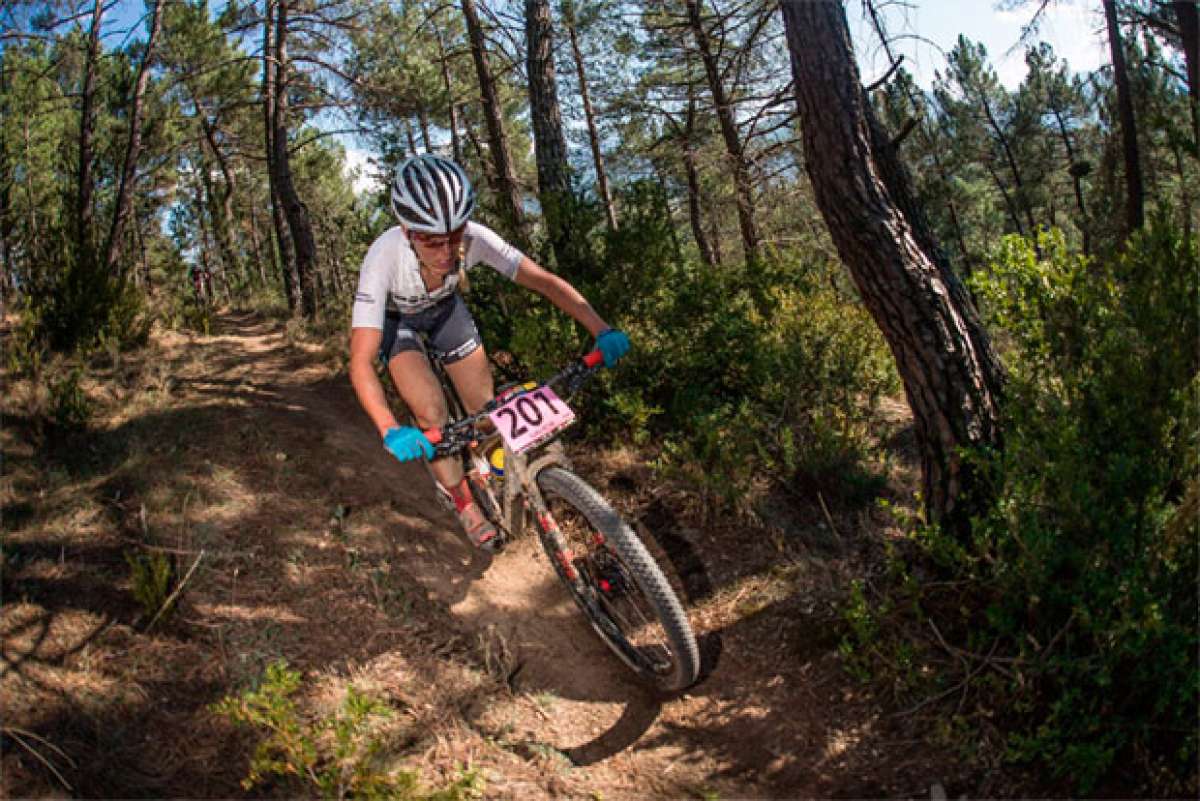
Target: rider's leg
<point x="422" y="394"/>
<point x="472" y="377"/>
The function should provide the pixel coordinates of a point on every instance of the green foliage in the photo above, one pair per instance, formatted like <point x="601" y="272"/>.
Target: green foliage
<point x="26" y="352"/>
<point x="183" y="312"/>
<point x="84" y="304"/>
<point x="1082" y="574"/>
<point x="337" y="757"/>
<point x="151" y="577"/>
<point x="70" y="405"/>
<point x="738" y="372"/>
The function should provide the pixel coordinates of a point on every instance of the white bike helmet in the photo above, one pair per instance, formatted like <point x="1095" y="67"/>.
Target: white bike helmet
<point x="432" y="194"/>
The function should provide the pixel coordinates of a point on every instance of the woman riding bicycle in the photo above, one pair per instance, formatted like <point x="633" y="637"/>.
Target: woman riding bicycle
<point x="408" y="289"/>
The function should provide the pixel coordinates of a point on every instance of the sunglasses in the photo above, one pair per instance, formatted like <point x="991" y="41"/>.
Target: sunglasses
<point x="437" y="240"/>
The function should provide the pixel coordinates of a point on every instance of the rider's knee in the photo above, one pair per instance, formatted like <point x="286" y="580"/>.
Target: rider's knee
<point x="430" y="417"/>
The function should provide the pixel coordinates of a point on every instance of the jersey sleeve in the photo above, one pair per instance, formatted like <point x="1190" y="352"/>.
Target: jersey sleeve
<point x="489" y="247"/>
<point x="370" y="300"/>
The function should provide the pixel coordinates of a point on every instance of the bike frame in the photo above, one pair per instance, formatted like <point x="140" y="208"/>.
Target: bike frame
<point x="519" y="490"/>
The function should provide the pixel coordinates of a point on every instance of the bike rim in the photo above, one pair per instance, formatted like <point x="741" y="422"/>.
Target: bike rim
<point x="605" y="586"/>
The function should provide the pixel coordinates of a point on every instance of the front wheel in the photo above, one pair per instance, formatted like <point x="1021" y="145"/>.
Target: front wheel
<point x="616" y="582"/>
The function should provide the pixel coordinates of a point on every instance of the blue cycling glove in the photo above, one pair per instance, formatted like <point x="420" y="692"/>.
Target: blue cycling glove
<point x="613" y="344"/>
<point x="407" y="443"/>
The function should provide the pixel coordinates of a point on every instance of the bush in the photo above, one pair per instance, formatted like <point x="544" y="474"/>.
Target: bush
<point x="336" y="757"/>
<point x="738" y="373"/>
<point x="1082" y="575"/>
<point x="84" y="304"/>
<point x="71" y="407"/>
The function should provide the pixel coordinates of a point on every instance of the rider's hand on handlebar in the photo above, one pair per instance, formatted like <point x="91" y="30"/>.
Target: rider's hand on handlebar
<point x="407" y="443"/>
<point x="613" y="344"/>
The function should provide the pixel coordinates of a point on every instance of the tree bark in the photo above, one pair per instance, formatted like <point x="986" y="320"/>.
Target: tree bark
<point x="83" y="195"/>
<point x="133" y="148"/>
<point x="226" y="224"/>
<point x="610" y="211"/>
<point x="294" y="209"/>
<point x="733" y="145"/>
<point x="1134" y="191"/>
<point x="506" y="180"/>
<point x="283" y="243"/>
<point x="1187" y="14"/>
<point x="951" y="375"/>
<point x="693" y="184"/>
<point x="554" y="174"/>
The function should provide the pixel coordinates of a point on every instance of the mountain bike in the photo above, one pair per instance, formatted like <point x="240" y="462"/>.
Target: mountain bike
<point x="518" y="469"/>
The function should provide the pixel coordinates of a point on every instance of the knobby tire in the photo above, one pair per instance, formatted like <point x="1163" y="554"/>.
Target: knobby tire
<point x="560" y="485"/>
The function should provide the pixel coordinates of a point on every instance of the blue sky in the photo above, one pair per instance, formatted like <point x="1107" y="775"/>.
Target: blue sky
<point x="924" y="30"/>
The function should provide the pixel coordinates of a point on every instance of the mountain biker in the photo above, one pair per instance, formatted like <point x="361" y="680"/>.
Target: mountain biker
<point x="409" y="288"/>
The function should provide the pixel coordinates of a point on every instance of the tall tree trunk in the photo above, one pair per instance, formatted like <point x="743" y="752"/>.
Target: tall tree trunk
<point x="260" y="258"/>
<point x="1010" y="159"/>
<point x="451" y="106"/>
<point x="7" y="224"/>
<point x="1134" y="192"/>
<point x="423" y="124"/>
<point x="951" y="374"/>
<point x="83" y="194"/>
<point x="1187" y="14"/>
<point x="693" y="183"/>
<point x="1074" y="170"/>
<point x="294" y="209"/>
<point x="733" y="145"/>
<point x="283" y="242"/>
<point x="554" y="174"/>
<point x="506" y="180"/>
<point x="225" y="226"/>
<point x="133" y="148"/>
<point x="610" y="211"/>
<point x="220" y="224"/>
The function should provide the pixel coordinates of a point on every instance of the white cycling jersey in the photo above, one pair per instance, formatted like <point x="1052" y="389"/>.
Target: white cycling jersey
<point x="390" y="279"/>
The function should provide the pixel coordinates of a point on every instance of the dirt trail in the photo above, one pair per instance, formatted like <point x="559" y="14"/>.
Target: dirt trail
<point x="774" y="715"/>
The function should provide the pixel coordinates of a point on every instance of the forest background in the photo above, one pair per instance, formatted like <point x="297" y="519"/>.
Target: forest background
<point x="785" y="246"/>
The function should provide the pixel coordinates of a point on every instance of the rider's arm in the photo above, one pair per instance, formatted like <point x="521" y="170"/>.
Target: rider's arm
<point x="560" y="293"/>
<point x="364" y="345"/>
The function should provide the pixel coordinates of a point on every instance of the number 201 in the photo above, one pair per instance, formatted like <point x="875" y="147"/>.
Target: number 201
<point x="526" y="411"/>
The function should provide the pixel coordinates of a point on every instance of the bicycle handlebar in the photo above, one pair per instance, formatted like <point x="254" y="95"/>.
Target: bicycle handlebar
<point x="458" y="434"/>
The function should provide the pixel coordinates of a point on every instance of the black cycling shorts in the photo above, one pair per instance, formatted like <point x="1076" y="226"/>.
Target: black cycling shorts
<point x="447" y="327"/>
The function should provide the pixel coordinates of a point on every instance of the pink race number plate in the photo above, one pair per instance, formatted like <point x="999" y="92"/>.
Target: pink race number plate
<point x="529" y="418"/>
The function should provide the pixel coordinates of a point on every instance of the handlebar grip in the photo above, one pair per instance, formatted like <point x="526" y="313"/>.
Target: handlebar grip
<point x="434" y="435"/>
<point x="594" y="359"/>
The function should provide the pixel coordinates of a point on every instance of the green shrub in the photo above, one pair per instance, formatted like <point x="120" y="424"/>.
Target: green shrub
<point x="70" y="405"/>
<point x="1081" y="577"/>
<point x="151" y="578"/>
<point x="738" y="373"/>
<point x="337" y="757"/>
<point x="84" y="303"/>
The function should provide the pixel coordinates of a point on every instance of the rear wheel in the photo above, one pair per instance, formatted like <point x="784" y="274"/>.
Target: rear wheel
<point x="616" y="582"/>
